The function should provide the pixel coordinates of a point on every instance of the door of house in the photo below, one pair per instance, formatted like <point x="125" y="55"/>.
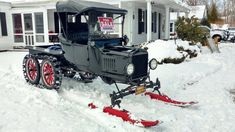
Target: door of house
<point x="28" y="29"/>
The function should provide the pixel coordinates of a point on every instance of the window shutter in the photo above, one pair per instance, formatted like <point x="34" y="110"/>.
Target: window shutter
<point x="139" y="21"/>
<point x="155" y="22"/>
<point x="152" y="22"/>
<point x="159" y="25"/>
<point x="3" y="24"/>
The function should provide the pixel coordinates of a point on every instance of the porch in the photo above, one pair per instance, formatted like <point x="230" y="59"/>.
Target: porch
<point x="35" y="24"/>
<point x="149" y="19"/>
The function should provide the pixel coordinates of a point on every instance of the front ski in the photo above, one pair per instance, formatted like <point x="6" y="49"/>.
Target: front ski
<point x="126" y="116"/>
<point x="168" y="100"/>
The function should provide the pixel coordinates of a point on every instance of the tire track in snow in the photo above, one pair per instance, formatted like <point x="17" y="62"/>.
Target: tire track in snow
<point x="19" y="87"/>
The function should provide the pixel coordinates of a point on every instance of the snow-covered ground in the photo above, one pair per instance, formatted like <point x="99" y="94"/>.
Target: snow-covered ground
<point x="207" y="79"/>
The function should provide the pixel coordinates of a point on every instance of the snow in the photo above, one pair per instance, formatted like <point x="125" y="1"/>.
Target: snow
<point x="174" y="15"/>
<point x="222" y="27"/>
<point x="161" y="49"/>
<point x="207" y="79"/>
<point x="197" y="11"/>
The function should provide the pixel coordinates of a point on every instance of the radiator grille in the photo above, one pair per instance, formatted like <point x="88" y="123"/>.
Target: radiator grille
<point x="109" y="64"/>
<point x="141" y="66"/>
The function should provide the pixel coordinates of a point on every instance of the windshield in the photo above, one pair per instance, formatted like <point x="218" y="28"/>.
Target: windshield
<point x="105" y="25"/>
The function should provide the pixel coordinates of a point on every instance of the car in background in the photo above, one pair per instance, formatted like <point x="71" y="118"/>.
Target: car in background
<point x="220" y="33"/>
<point x="231" y="30"/>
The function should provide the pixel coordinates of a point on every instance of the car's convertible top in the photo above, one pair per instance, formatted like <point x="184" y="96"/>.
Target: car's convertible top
<point x="79" y="6"/>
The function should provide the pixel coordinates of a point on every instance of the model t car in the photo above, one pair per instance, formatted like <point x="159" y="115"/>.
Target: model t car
<point x="90" y="46"/>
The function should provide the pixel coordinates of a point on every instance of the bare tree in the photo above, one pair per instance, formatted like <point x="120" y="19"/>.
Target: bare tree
<point x="230" y="12"/>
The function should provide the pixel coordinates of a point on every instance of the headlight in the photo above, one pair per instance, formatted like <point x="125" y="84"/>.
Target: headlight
<point x="130" y="69"/>
<point x="153" y="64"/>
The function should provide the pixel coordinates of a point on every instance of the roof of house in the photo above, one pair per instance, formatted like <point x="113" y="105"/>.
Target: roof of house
<point x="197" y="11"/>
<point x="4" y="2"/>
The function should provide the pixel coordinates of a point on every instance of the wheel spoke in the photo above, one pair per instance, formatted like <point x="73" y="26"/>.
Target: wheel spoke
<point x="31" y="69"/>
<point x="48" y="74"/>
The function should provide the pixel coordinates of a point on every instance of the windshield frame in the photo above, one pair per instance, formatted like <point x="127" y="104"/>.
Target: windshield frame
<point x="94" y="23"/>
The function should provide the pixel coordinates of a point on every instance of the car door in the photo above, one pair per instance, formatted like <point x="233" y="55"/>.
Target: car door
<point x="67" y="48"/>
<point x="81" y="54"/>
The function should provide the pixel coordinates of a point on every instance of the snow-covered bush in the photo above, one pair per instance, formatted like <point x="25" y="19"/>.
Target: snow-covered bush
<point x="171" y="51"/>
<point x="188" y="29"/>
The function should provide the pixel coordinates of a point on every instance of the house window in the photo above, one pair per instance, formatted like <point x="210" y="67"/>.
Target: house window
<point x="17" y="28"/>
<point x="141" y="21"/>
<point x="54" y="29"/>
<point x="3" y="25"/>
<point x="28" y="24"/>
<point x="171" y="27"/>
<point x="39" y="22"/>
<point x="39" y="27"/>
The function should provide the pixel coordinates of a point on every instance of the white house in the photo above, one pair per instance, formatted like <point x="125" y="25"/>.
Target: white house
<point x="36" y="22"/>
<point x="5" y="26"/>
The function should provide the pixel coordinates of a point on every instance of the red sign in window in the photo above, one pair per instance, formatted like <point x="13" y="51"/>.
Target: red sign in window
<point x="106" y="24"/>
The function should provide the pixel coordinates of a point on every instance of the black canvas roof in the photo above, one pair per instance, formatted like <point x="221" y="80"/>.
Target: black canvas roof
<point x="79" y="6"/>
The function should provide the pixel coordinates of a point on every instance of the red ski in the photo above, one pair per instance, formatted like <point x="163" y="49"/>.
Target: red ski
<point x="168" y="100"/>
<point x="125" y="115"/>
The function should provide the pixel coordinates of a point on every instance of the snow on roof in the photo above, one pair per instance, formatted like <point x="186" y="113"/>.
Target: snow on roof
<point x="182" y="3"/>
<point x="197" y="11"/>
<point x="4" y="2"/>
<point x="174" y="16"/>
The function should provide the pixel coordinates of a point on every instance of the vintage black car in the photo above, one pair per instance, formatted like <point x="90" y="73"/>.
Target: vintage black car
<point x="89" y="46"/>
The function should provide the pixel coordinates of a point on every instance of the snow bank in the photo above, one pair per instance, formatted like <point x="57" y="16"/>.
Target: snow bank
<point x="171" y="49"/>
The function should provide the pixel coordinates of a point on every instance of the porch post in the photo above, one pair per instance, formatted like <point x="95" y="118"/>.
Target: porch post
<point x="45" y="18"/>
<point x="149" y="20"/>
<point x="167" y="22"/>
